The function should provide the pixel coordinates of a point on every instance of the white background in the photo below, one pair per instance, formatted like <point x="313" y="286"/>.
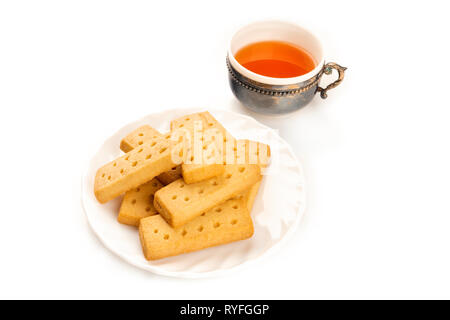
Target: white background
<point x="376" y="152"/>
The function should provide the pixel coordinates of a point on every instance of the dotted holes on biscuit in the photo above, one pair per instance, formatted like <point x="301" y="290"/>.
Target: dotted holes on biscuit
<point x="201" y="191"/>
<point x="241" y="169"/>
<point x="155" y="231"/>
<point x="184" y="233"/>
<point x="148" y="209"/>
<point x="133" y="201"/>
<point x="141" y="134"/>
<point x="174" y="197"/>
<point x="134" y="164"/>
<point x="162" y="150"/>
<point x="166" y="237"/>
<point x="217" y="224"/>
<point x="233" y="222"/>
<point x="235" y="206"/>
<point x="200" y="229"/>
<point x="153" y="144"/>
<point x="186" y="199"/>
<point x="219" y="210"/>
<point x="228" y="176"/>
<point x="140" y="142"/>
<point x="148" y="156"/>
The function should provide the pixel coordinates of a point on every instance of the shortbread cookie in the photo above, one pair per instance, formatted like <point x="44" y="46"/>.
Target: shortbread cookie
<point x="137" y="167"/>
<point x="138" y="203"/>
<point x="174" y="173"/>
<point x="204" y="159"/>
<point x="250" y="196"/>
<point x="179" y="202"/>
<point x="248" y="152"/>
<point x="140" y="136"/>
<point x="211" y="122"/>
<point x="170" y="176"/>
<point x="193" y="173"/>
<point x="243" y="151"/>
<point x="224" y="224"/>
<point x="218" y="146"/>
<point x="186" y="122"/>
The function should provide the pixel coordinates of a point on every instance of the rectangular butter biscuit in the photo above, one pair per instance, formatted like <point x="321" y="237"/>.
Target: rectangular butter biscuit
<point x="193" y="173"/>
<point x="170" y="176"/>
<point x="217" y="139"/>
<point x="248" y="152"/>
<point x="133" y="169"/>
<point x="179" y="202"/>
<point x="138" y="137"/>
<point x="138" y="203"/>
<point x="223" y="224"/>
<point x="233" y="151"/>
<point x="200" y="164"/>
<point x="250" y="196"/>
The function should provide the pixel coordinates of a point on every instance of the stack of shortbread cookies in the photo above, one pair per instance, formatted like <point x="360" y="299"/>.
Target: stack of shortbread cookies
<point x="186" y="190"/>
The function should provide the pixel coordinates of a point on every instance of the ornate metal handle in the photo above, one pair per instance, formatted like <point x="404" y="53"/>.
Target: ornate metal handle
<point x="327" y="69"/>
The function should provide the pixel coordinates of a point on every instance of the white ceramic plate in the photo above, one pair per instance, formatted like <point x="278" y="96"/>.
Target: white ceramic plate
<point x="277" y="211"/>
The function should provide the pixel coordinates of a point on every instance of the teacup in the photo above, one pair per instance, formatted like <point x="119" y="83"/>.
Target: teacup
<point x="270" y="95"/>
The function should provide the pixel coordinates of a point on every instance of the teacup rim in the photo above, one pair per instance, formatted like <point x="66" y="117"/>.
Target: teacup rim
<point x="271" y="80"/>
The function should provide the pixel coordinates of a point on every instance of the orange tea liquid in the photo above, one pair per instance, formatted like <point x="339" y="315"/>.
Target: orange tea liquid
<point x="275" y="59"/>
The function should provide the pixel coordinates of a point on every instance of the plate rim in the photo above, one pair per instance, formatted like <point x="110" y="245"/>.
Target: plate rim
<point x="197" y="275"/>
